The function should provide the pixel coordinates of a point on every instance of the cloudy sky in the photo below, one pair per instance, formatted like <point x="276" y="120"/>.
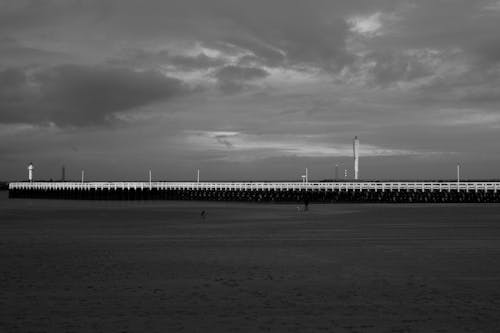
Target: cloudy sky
<point x="248" y="90"/>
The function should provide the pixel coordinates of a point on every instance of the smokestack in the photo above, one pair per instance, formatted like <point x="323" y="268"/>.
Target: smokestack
<point x="355" y="148"/>
<point x="30" y="172"/>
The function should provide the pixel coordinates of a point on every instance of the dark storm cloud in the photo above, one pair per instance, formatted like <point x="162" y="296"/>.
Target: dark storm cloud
<point x="25" y="15"/>
<point x="11" y="79"/>
<point x="80" y="95"/>
<point x="18" y="101"/>
<point x="14" y="53"/>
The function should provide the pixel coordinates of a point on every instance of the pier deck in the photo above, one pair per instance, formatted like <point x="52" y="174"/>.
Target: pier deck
<point x="267" y="186"/>
<point x="263" y="191"/>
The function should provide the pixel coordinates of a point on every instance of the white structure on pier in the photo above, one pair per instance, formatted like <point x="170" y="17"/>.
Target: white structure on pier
<point x="305" y="177"/>
<point x="30" y="172"/>
<point x="355" y="148"/>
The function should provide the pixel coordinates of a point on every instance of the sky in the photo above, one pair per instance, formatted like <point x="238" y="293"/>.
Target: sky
<point x="249" y="90"/>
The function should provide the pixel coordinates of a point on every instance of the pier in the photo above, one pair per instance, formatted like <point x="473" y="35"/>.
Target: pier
<point x="326" y="192"/>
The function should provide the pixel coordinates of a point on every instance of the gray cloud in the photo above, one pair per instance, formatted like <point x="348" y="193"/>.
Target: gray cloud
<point x="153" y="59"/>
<point x="261" y="53"/>
<point x="232" y="78"/>
<point x="141" y="58"/>
<point x="224" y="140"/>
<point x="239" y="73"/>
<point x="470" y="26"/>
<point x="201" y="61"/>
<point x="278" y="31"/>
<point x="291" y="32"/>
<point x="80" y="95"/>
<point x="473" y="86"/>
<point x="391" y="67"/>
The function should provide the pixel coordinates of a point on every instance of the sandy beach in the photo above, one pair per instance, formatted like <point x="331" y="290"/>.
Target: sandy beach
<point x="102" y="266"/>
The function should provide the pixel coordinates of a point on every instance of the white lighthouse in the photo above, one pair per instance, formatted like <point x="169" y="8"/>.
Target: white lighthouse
<point x="355" y="148"/>
<point x="30" y="172"/>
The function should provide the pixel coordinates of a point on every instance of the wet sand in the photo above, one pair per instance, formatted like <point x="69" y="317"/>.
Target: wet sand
<point x="83" y="266"/>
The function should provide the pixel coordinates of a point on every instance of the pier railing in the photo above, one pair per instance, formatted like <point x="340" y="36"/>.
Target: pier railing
<point x="267" y="186"/>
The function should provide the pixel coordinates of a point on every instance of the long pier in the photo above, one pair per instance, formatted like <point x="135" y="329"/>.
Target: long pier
<point x="263" y="191"/>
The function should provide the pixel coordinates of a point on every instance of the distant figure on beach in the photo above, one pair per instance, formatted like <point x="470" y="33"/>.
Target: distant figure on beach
<point x="203" y="214"/>
<point x="306" y="205"/>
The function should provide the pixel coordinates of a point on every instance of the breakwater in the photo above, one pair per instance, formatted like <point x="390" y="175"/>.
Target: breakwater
<point x="438" y="192"/>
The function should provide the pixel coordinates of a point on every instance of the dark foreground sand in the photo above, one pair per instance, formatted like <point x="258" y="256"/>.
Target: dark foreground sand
<point x="78" y="266"/>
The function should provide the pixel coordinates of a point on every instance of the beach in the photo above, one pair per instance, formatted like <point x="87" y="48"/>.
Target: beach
<point x="159" y="266"/>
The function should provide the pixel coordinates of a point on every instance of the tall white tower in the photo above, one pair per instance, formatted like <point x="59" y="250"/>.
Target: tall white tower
<point x="30" y="172"/>
<point x="355" y="148"/>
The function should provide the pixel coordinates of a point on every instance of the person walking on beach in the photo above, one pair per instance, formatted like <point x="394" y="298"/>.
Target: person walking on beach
<point x="203" y="214"/>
